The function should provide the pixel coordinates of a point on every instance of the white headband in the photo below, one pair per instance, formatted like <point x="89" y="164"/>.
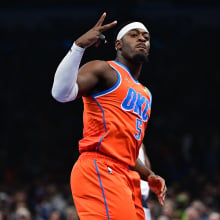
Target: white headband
<point x="128" y="27"/>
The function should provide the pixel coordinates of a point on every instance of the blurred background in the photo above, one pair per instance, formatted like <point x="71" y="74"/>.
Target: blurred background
<point x="39" y="136"/>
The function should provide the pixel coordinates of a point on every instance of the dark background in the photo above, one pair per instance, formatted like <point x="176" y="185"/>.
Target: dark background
<point x="39" y="136"/>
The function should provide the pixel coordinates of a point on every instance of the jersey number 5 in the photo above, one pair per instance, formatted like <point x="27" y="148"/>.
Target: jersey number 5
<point x="138" y="128"/>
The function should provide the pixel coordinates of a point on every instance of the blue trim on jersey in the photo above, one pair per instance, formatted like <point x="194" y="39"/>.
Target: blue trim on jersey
<point x="103" y="116"/>
<point x="126" y="68"/>
<point x="110" y="89"/>
<point x="103" y="193"/>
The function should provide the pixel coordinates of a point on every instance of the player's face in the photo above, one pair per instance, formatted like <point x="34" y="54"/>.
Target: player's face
<point x="136" y="45"/>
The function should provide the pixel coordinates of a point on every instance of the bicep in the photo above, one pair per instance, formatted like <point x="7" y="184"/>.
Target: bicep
<point x="88" y="78"/>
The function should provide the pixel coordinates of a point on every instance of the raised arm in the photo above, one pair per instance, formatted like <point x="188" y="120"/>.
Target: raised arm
<point x="66" y="86"/>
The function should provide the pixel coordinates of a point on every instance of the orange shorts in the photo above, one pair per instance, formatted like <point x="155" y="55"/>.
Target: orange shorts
<point x="104" y="189"/>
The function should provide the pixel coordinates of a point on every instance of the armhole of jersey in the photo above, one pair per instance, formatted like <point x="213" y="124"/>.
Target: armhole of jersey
<point x="149" y="94"/>
<point x="114" y="87"/>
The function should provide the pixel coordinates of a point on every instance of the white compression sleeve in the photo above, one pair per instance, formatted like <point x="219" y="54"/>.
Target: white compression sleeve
<point x="65" y="87"/>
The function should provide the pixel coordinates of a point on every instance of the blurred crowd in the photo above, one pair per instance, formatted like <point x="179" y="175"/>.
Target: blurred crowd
<point x="37" y="202"/>
<point x="41" y="200"/>
<point x="182" y="207"/>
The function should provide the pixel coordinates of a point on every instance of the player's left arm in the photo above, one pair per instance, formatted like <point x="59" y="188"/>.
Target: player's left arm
<point x="156" y="183"/>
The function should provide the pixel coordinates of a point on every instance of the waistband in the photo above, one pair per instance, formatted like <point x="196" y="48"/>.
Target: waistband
<point x="96" y="155"/>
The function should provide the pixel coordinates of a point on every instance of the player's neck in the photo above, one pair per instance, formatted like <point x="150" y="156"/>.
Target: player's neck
<point x="134" y="67"/>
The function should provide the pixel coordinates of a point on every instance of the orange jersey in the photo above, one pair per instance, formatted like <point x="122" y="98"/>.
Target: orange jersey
<point x="115" y="120"/>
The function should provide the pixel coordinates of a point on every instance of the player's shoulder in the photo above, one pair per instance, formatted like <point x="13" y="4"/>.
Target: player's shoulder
<point x="99" y="67"/>
<point x="97" y="64"/>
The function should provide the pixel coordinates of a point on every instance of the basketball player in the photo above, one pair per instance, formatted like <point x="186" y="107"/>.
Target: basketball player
<point x="105" y="180"/>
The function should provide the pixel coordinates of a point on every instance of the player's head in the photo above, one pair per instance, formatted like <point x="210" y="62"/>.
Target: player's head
<point x="133" y="42"/>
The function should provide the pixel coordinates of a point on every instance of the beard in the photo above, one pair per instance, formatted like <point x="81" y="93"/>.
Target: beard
<point x="140" y="58"/>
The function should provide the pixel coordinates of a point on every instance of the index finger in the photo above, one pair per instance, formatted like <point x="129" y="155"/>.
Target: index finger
<point x="107" y="26"/>
<point x="101" y="19"/>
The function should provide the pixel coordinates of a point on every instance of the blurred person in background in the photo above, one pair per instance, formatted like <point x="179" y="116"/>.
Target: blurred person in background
<point x="182" y="202"/>
<point x="163" y="217"/>
<point x="4" y="206"/>
<point x="70" y="213"/>
<point x="105" y="180"/>
<point x="20" y="207"/>
<point x="168" y="209"/>
<point x="200" y="206"/>
<point x="145" y="190"/>
<point x="55" y="215"/>
<point x="191" y="213"/>
<point x="155" y="208"/>
<point x="214" y="216"/>
<point x="22" y="213"/>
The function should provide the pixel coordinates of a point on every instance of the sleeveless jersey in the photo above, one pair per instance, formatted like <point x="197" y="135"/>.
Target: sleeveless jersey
<point x="115" y="120"/>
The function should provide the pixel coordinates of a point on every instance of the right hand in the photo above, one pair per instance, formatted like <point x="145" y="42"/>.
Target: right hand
<point x="92" y="36"/>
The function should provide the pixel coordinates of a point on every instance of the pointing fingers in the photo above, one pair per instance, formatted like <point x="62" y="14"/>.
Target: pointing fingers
<point x="101" y="20"/>
<point x="105" y="27"/>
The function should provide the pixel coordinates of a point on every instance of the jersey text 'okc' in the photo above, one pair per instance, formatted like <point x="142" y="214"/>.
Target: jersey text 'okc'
<point x="137" y="103"/>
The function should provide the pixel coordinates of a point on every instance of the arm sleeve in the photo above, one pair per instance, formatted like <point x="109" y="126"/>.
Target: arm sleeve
<point x="65" y="87"/>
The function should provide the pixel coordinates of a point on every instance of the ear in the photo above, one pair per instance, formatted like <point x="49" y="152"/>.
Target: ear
<point x="118" y="44"/>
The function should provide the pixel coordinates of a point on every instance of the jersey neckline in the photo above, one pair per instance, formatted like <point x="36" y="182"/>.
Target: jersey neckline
<point x="127" y="70"/>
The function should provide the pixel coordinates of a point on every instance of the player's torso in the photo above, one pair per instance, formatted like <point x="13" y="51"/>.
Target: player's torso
<point x="115" y="120"/>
